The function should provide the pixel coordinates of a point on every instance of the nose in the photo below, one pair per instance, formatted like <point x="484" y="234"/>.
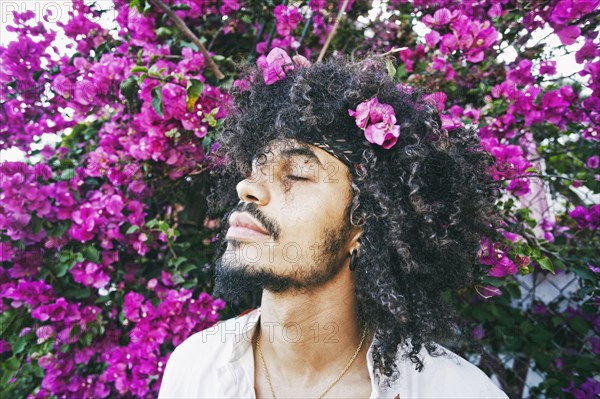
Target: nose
<point x="254" y="189"/>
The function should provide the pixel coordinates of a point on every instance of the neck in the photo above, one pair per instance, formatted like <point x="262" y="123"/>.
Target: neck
<point x="307" y="335"/>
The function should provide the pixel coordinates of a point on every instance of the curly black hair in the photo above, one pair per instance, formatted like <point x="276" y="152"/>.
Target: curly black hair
<point x="423" y="204"/>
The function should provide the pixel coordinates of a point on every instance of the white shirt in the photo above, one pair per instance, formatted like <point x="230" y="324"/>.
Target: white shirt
<point x="219" y="363"/>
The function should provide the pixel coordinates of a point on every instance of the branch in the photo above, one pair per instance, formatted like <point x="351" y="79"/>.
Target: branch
<point x="333" y="30"/>
<point x="586" y="16"/>
<point x="305" y="30"/>
<point x="187" y="32"/>
<point x="541" y="176"/>
<point x="392" y="51"/>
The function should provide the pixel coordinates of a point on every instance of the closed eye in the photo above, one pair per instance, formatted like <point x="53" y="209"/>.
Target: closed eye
<point x="292" y="177"/>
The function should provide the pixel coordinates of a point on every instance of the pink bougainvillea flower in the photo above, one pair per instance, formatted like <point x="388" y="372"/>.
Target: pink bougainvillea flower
<point x="586" y="218"/>
<point x="382" y="134"/>
<point x="450" y="122"/>
<point x="432" y="38"/>
<point x="378" y="121"/>
<point x="275" y="64"/>
<point x="588" y="51"/>
<point x="301" y="60"/>
<point x="90" y="274"/>
<point x="488" y="291"/>
<point x="519" y="187"/>
<point x="442" y="16"/>
<point x="548" y="68"/>
<point x="362" y="113"/>
<point x="287" y="19"/>
<point x="478" y="333"/>
<point x="492" y="255"/>
<point x="438" y="99"/>
<point x="568" y="35"/>
<point x="229" y="6"/>
<point x="593" y="162"/>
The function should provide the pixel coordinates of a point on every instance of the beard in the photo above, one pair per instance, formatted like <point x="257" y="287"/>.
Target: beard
<point x="235" y="278"/>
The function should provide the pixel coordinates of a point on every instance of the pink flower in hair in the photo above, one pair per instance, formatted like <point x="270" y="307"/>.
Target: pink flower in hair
<point x="378" y="121"/>
<point x="275" y="64"/>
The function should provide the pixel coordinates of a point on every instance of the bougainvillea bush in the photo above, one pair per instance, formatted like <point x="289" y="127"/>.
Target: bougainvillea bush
<point x="106" y="237"/>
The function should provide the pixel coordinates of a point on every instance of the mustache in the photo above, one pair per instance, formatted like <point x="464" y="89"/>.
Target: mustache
<point x="251" y="208"/>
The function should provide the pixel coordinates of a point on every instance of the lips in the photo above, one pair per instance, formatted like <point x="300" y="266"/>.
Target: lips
<point x="246" y="224"/>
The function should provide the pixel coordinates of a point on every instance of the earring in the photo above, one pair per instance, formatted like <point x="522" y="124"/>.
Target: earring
<point x="353" y="260"/>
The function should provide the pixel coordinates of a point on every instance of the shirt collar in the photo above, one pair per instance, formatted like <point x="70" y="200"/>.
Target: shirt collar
<point x="241" y="351"/>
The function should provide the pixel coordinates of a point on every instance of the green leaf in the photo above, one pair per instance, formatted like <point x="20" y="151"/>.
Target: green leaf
<point x="390" y="68"/>
<point x="496" y="282"/>
<point x="180" y="7"/>
<point x="206" y="142"/>
<point x="19" y="346"/>
<point x="176" y="262"/>
<point x="86" y="339"/>
<point x="58" y="230"/>
<point x="546" y="264"/>
<point x="147" y="7"/>
<point x="585" y="274"/>
<point x="12" y="364"/>
<point x="78" y="293"/>
<point x="579" y="325"/>
<point x="62" y="268"/>
<point x="91" y="254"/>
<point x="129" y="90"/>
<point x="514" y="291"/>
<point x="163" y="32"/>
<point x="67" y="174"/>
<point x="401" y="72"/>
<point x="157" y="103"/>
<point x="139" y="68"/>
<point x="173" y="133"/>
<point x="163" y="226"/>
<point x="194" y="89"/>
<point x="132" y="229"/>
<point x="134" y="3"/>
<point x="188" y="268"/>
<point x="585" y="363"/>
<point x="5" y="321"/>
<point x="35" y="225"/>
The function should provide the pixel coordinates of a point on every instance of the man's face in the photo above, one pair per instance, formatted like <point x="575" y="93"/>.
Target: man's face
<point x="298" y="195"/>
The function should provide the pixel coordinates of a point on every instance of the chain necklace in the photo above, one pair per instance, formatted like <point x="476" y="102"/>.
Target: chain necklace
<point x="264" y="365"/>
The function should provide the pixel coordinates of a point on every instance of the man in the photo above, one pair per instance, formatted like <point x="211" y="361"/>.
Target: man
<point x="355" y="212"/>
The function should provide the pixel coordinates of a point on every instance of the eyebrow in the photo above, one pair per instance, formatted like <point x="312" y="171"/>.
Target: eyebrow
<point x="301" y="151"/>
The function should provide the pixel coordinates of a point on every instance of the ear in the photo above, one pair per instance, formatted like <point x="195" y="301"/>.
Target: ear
<point x="355" y="240"/>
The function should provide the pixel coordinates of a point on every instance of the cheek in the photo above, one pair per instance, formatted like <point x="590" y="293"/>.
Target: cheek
<point x="308" y="221"/>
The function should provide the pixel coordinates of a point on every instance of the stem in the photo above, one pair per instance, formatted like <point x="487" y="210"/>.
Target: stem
<point x="215" y="37"/>
<point x="171" y="248"/>
<point x="392" y="51"/>
<point x="187" y="32"/>
<point x="255" y="42"/>
<point x="333" y="30"/>
<point x="273" y="28"/>
<point x="541" y="176"/>
<point x="586" y="16"/>
<point x="305" y="30"/>
<point x="164" y="80"/>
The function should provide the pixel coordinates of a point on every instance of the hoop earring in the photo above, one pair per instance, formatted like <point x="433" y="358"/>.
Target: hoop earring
<point x="353" y="260"/>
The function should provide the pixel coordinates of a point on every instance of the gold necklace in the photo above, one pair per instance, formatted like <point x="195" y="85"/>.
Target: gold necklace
<point x="264" y="365"/>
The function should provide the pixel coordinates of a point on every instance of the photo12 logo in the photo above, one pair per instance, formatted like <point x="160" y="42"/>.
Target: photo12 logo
<point x="290" y="332"/>
<point x="54" y="11"/>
